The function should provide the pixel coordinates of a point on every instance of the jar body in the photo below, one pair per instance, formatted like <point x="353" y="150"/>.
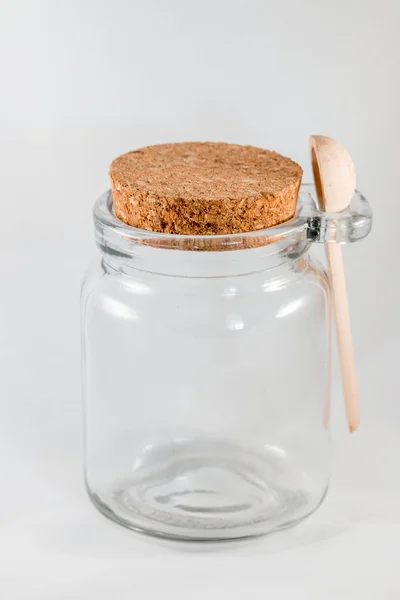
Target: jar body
<point x="206" y="391"/>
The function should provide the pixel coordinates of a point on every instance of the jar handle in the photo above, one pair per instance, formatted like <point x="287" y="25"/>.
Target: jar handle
<point x="350" y="225"/>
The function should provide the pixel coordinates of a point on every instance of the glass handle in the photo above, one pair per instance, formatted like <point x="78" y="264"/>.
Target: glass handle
<point x="351" y="225"/>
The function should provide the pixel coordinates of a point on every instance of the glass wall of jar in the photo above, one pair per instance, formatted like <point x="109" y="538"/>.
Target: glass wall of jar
<point x="206" y="366"/>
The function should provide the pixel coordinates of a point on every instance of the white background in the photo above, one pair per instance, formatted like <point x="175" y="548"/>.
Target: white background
<point x="83" y="81"/>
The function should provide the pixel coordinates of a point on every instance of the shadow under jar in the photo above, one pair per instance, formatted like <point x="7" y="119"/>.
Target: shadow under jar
<point x="206" y="374"/>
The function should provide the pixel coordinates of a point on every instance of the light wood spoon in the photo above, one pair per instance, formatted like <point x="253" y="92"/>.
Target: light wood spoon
<point x="335" y="182"/>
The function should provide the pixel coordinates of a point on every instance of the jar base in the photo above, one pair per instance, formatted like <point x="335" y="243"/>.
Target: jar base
<point x="202" y="490"/>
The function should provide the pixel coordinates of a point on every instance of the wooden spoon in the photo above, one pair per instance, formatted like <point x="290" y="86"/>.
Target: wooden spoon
<point x="335" y="182"/>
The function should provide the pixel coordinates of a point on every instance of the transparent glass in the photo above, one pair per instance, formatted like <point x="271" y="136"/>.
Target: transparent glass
<point x="206" y="374"/>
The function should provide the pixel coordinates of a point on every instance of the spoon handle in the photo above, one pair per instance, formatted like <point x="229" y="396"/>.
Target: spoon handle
<point x="343" y="332"/>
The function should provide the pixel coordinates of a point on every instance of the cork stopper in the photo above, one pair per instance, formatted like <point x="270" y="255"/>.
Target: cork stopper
<point x="204" y="188"/>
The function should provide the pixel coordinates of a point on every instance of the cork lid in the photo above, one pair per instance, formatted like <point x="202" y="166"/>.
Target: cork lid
<point x="204" y="188"/>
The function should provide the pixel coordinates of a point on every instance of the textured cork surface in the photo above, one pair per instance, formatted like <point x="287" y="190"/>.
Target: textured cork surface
<point x="204" y="188"/>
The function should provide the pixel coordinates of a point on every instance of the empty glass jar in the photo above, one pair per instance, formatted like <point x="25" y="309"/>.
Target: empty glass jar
<point x="206" y="374"/>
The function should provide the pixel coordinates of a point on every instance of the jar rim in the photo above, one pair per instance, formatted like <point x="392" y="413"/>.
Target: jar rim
<point x="308" y="225"/>
<point x="111" y="226"/>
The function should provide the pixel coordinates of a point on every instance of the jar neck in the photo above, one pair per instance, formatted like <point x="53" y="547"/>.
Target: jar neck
<point x="200" y="264"/>
<point x="125" y="248"/>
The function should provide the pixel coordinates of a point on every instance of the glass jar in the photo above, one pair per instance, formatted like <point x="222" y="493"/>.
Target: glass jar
<point x="206" y="374"/>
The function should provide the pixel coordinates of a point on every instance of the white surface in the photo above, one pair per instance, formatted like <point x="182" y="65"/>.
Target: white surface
<point x="83" y="82"/>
